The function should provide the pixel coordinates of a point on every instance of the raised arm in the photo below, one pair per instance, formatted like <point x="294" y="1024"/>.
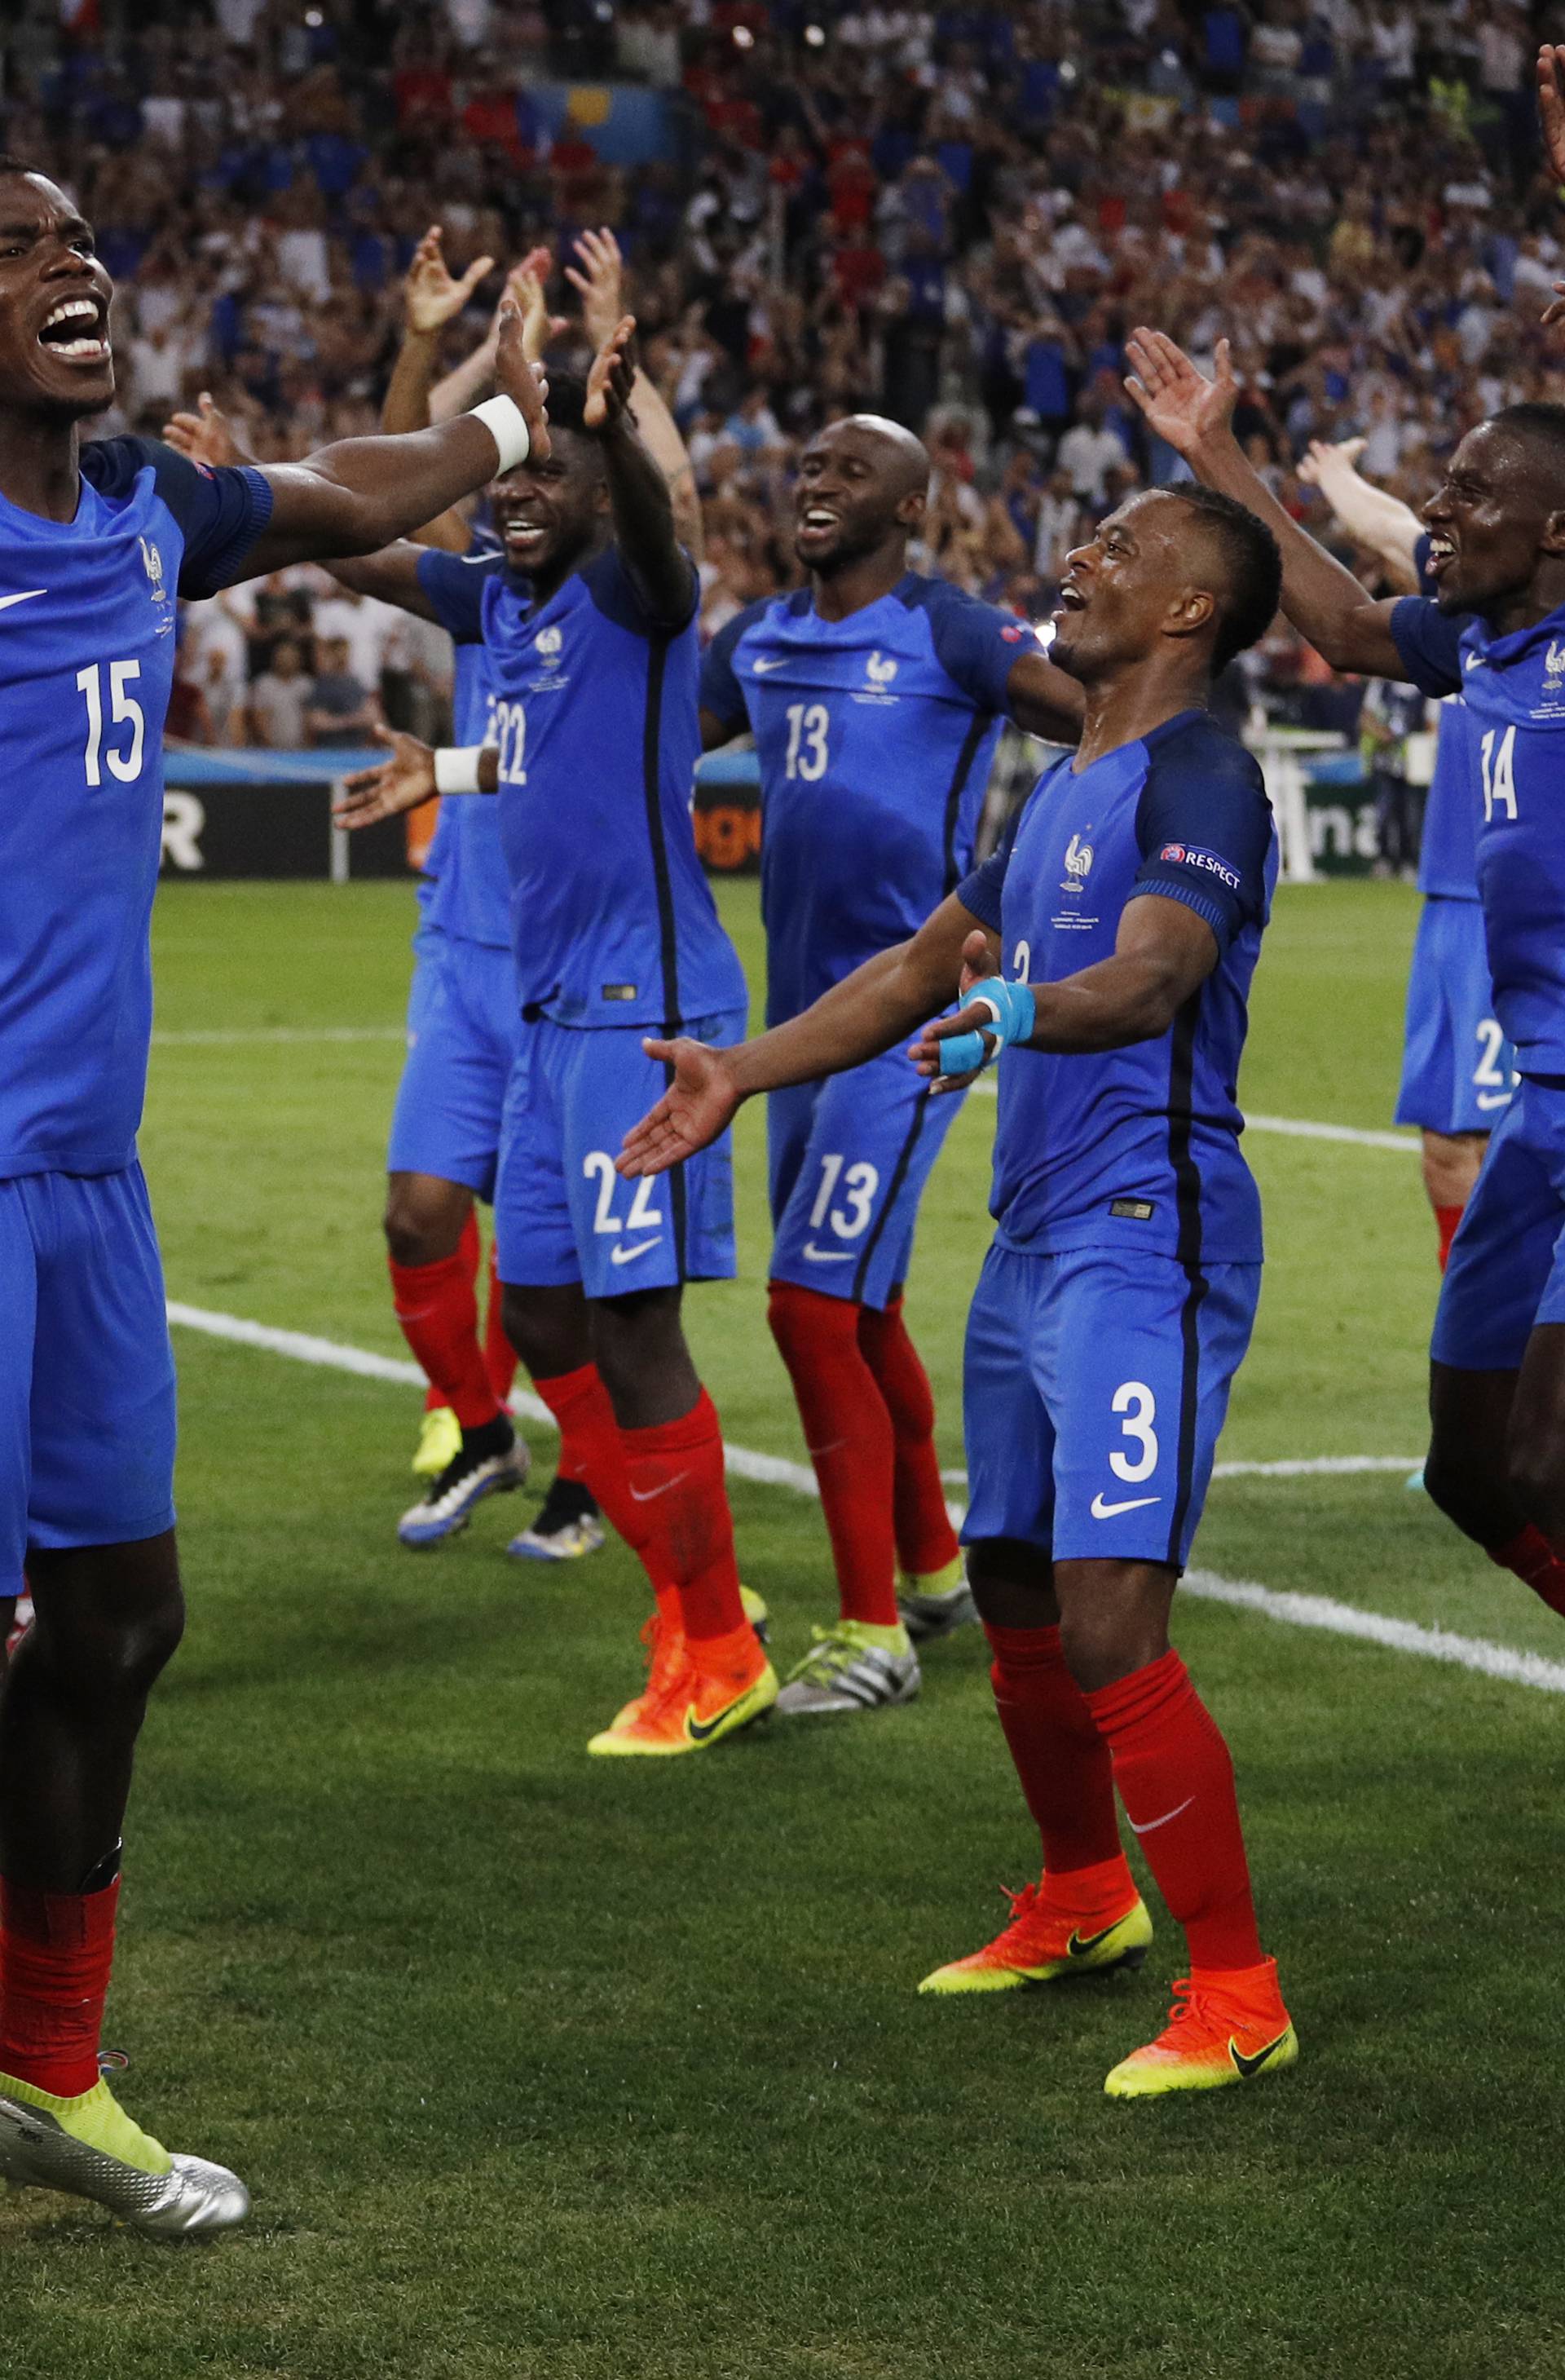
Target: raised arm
<point x="638" y="493"/>
<point x="1195" y="416"/>
<point x="868" y="1011"/>
<point x="1040" y="698"/>
<point x="431" y="298"/>
<point x="365" y="493"/>
<point x="598" y="277"/>
<point x="1372" y="516"/>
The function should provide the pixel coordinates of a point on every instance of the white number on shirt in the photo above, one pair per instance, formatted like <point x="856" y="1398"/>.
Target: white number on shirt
<point x="808" y="755"/>
<point x="1493" y="1084"/>
<point x="641" y="1217"/>
<point x="508" y="732"/>
<point x="1499" y="779"/>
<point x="859" y="1185"/>
<point x="1140" y="1407"/>
<point x="1022" y="959"/>
<point x="125" y="762"/>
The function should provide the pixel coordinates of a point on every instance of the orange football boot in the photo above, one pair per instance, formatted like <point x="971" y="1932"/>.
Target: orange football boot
<point x="1055" y="1930"/>
<point x="695" y="1694"/>
<point x="1225" y="2026"/>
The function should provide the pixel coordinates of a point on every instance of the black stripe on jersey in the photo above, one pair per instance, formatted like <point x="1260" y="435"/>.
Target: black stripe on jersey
<point x="668" y="938"/>
<point x="978" y="728"/>
<point x="1188" y="1208"/>
<point x="899" y="1175"/>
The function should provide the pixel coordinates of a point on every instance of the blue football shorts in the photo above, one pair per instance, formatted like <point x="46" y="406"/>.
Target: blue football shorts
<point x="1459" y="1071"/>
<point x="87" y="1423"/>
<point x="1507" y="1267"/>
<point x="463" y="1030"/>
<point x="561" y="1211"/>
<point x="849" y="1162"/>
<point x="1096" y="1386"/>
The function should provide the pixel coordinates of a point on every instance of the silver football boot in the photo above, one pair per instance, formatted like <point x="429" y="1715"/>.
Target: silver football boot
<point x="76" y="2153"/>
<point x="845" y="1671"/>
<point x="926" y="1615"/>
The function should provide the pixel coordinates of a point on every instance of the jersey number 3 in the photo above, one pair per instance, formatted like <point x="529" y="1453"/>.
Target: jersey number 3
<point x="124" y="760"/>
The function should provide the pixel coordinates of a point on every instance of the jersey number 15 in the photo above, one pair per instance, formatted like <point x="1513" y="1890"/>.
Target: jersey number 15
<point x="123" y="759"/>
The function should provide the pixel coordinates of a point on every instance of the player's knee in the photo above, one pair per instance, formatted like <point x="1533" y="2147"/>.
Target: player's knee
<point x="106" y="1652"/>
<point x="803" y="1321"/>
<point x="1536" y="1472"/>
<point x="423" y="1225"/>
<point x="1012" y="1584"/>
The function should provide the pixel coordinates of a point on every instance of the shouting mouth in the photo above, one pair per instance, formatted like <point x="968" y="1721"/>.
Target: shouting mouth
<point x="76" y="329"/>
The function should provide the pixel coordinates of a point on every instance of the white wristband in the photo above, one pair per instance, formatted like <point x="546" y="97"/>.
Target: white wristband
<point x="456" y="768"/>
<point x="507" y="424"/>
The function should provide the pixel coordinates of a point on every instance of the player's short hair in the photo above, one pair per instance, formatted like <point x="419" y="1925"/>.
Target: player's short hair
<point x="20" y="165"/>
<point x="566" y="400"/>
<point x="1542" y="425"/>
<point x="1252" y="567"/>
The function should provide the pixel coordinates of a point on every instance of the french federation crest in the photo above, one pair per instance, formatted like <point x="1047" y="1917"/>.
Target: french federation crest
<point x="1554" y="665"/>
<point x="1078" y="859"/>
<point x="151" y="561"/>
<point x="879" y="669"/>
<point x="547" y="644"/>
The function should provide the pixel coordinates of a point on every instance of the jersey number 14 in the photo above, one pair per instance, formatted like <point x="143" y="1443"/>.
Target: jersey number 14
<point x="1500" y="776"/>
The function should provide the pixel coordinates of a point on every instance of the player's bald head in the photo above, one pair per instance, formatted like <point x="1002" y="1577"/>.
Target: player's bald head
<point x="861" y="490"/>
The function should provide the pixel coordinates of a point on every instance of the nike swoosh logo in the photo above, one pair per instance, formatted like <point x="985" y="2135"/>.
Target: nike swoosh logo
<point x="699" y="1730"/>
<point x="762" y="669"/>
<point x="628" y="1256"/>
<point x="1494" y="1099"/>
<point x="6" y="601"/>
<point x="827" y="1255"/>
<point x="1102" y="1511"/>
<point x="1082" y="1946"/>
<point x="1247" y="2066"/>
<point x="816" y="1452"/>
<point x="652" y="1493"/>
<point x="1169" y="1815"/>
<point x="1473" y="662"/>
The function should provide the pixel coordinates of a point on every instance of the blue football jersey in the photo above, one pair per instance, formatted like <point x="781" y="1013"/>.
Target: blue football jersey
<point x="86" y="637"/>
<point x="593" y="711"/>
<point x="1513" y="687"/>
<point x="874" y="735"/>
<point x="1138" y="1146"/>
<point x="469" y="895"/>
<point x="1447" y="855"/>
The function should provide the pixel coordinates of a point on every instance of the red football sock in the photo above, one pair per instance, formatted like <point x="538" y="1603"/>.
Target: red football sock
<point x="852" y="1443"/>
<point x="1176" y="1780"/>
<point x="56" y="1952"/>
<point x="678" y="1508"/>
<point x="438" y="1315"/>
<point x="469" y="1250"/>
<point x="925" y="1538"/>
<point x="1066" y="1776"/>
<point x="1534" y="1561"/>
<point x="499" y="1356"/>
<point x="1446" y="1220"/>
<point x="590" y="1441"/>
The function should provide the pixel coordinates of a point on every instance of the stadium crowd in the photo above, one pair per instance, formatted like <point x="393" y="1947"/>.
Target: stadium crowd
<point x="948" y="215"/>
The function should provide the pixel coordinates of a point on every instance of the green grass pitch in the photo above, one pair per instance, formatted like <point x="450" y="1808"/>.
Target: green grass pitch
<point x="547" y="2070"/>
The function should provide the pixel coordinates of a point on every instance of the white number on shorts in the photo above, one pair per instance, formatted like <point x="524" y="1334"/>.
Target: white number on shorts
<point x="1140" y="1407"/>
<point x="1499" y="779"/>
<point x="807" y="754"/>
<point x="126" y="763"/>
<point x="507" y="730"/>
<point x="642" y="1215"/>
<point x="1490" y="1080"/>
<point x="859" y="1185"/>
<point x="1021" y="960"/>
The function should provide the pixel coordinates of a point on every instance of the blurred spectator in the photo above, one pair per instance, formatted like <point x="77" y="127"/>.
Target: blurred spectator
<point x="278" y="700"/>
<point x="341" y="710"/>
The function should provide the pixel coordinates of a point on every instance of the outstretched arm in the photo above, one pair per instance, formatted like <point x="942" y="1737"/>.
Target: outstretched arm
<point x="1193" y="414"/>
<point x="638" y="493"/>
<point x="1372" y="516"/>
<point x="599" y="276"/>
<point x="868" y="1011"/>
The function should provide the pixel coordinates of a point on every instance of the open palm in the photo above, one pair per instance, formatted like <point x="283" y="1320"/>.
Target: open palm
<point x="698" y="1106"/>
<point x="1180" y="404"/>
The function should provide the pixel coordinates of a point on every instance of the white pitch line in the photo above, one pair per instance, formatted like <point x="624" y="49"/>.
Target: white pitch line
<point x="1321" y="1612"/>
<point x="285" y="1034"/>
<point x="1406" y="1144"/>
<point x="1311" y="1466"/>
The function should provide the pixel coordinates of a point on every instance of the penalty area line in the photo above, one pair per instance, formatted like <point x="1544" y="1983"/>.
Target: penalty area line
<point x="1316" y="1611"/>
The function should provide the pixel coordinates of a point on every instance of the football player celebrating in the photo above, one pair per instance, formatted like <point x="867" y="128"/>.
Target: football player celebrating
<point x="1495" y="634"/>
<point x="875" y="697"/>
<point x="591" y="663"/>
<point x="1457" y="1065"/>
<point x="96" y="542"/>
<point x="1111" y="944"/>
